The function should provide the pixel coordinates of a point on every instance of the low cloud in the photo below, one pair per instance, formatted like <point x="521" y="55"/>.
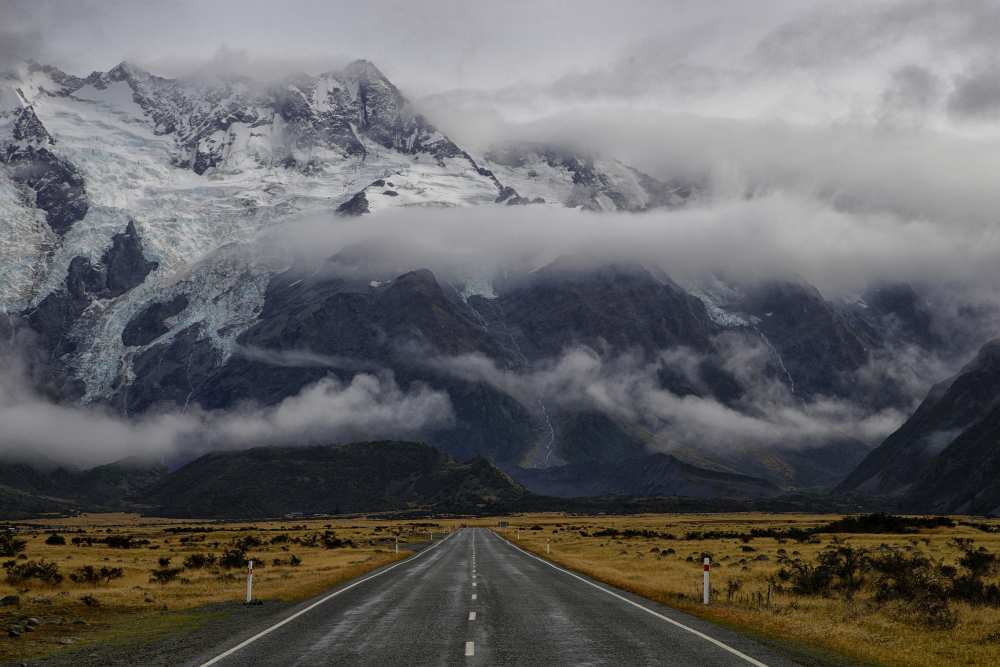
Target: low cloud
<point x="626" y="387"/>
<point x="369" y="406"/>
<point x="769" y="236"/>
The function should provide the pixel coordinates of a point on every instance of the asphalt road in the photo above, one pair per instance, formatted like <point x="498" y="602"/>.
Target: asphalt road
<point x="476" y="599"/>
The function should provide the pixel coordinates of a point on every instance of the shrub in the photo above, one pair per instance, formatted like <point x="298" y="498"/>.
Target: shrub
<point x="43" y="570"/>
<point x="10" y="545"/>
<point x="164" y="561"/>
<point x="233" y="556"/>
<point x="55" y="539"/>
<point x="246" y="542"/>
<point x="164" y="575"/>
<point x="88" y="574"/>
<point x="331" y="541"/>
<point x="197" y="561"/>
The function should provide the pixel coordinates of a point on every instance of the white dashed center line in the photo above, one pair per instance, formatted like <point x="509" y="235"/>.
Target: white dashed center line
<point x="473" y="596"/>
<point x="472" y="615"/>
<point x="470" y="649"/>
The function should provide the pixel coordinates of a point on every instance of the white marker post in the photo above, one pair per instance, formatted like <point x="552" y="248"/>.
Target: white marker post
<point x="707" y="586"/>
<point x="249" y="581"/>
<point x="548" y="546"/>
<point x="397" y="544"/>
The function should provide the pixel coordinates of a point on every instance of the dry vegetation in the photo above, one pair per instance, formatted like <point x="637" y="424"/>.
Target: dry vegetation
<point x="851" y="602"/>
<point x="119" y="578"/>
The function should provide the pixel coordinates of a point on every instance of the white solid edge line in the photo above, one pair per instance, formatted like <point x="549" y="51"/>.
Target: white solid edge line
<point x="737" y="653"/>
<point x="291" y="618"/>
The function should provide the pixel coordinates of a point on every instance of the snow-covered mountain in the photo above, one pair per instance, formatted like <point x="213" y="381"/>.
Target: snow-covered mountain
<point x="195" y="166"/>
<point x="129" y="207"/>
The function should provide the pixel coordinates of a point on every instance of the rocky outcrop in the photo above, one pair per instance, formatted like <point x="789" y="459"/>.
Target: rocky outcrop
<point x="57" y="185"/>
<point x="150" y="323"/>
<point x="123" y="266"/>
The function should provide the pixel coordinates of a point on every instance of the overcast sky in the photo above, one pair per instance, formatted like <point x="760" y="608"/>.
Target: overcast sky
<point x="427" y="46"/>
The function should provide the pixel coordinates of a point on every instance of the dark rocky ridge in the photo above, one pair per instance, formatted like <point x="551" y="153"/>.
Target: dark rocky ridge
<point x="56" y="184"/>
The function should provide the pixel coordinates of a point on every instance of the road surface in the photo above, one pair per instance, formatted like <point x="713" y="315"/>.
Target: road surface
<point x="476" y="599"/>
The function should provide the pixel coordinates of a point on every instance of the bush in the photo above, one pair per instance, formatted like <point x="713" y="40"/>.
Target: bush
<point x="197" y="561"/>
<point x="246" y="542"/>
<point x="885" y="523"/>
<point x="233" y="556"/>
<point x="10" y="545"/>
<point x="55" y="539"/>
<point x="43" y="570"/>
<point x="88" y="574"/>
<point x="164" y="575"/>
<point x="838" y="569"/>
<point x="331" y="541"/>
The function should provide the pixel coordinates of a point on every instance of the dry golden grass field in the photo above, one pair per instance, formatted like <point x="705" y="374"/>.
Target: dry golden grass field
<point x="862" y="629"/>
<point x="656" y="556"/>
<point x="132" y="606"/>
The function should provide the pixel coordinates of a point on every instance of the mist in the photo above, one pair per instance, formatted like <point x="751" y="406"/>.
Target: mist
<point x="368" y="406"/>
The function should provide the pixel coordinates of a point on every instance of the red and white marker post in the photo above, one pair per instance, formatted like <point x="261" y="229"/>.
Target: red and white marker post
<point x="249" y="581"/>
<point x="707" y="587"/>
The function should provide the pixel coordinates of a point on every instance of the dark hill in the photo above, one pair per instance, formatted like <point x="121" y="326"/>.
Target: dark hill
<point x="651" y="475"/>
<point x="360" y="477"/>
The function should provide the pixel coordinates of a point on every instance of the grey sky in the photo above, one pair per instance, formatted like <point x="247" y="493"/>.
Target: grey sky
<point x="427" y="46"/>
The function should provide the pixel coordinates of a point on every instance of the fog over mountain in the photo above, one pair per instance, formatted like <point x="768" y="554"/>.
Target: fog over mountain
<point x="751" y="236"/>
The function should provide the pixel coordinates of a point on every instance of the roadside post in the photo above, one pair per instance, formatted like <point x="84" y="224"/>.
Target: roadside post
<point x="548" y="545"/>
<point x="397" y="544"/>
<point x="249" y="581"/>
<point x="706" y="588"/>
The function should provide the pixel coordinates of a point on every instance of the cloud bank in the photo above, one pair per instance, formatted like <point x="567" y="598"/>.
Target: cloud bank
<point x="369" y="406"/>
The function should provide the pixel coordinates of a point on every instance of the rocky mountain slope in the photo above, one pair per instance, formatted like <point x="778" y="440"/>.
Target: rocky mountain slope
<point x="945" y="458"/>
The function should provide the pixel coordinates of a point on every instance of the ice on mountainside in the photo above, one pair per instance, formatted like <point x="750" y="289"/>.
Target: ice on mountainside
<point x="204" y="167"/>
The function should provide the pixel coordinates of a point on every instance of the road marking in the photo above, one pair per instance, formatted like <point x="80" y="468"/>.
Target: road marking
<point x="470" y="649"/>
<point x="472" y="615"/>
<point x="473" y="583"/>
<point x="473" y="596"/>
<point x="294" y="616"/>
<point x="726" y="647"/>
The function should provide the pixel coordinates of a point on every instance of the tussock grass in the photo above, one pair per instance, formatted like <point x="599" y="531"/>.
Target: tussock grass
<point x="745" y="596"/>
<point x="132" y="605"/>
